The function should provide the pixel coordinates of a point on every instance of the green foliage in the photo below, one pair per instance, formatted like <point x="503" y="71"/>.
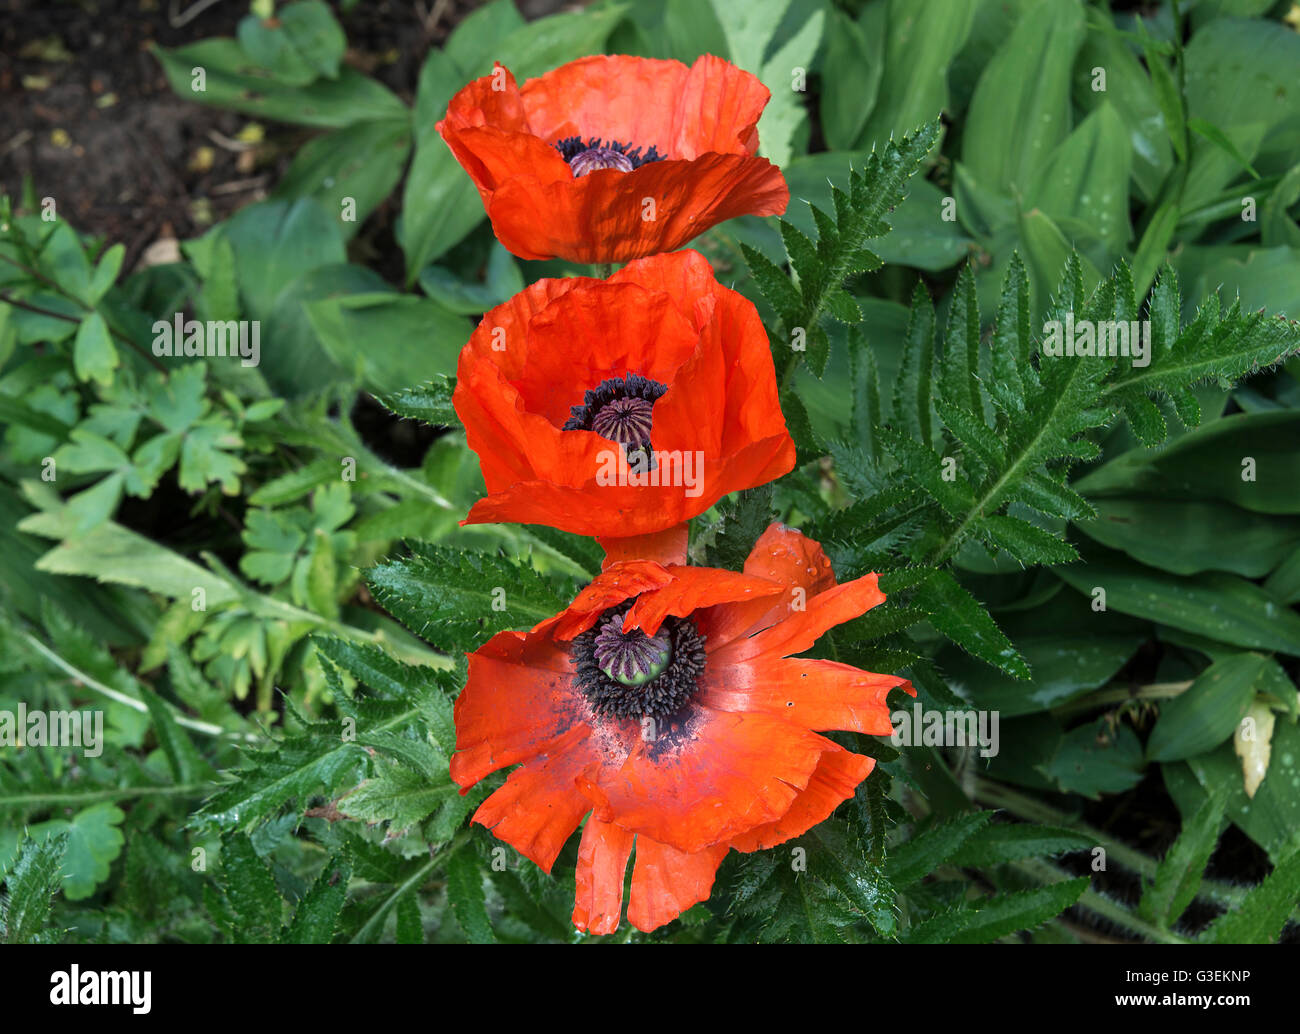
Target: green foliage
<point x="31" y="880"/>
<point x="257" y="574"/>
<point x="1264" y="910"/>
<point x="840" y="249"/>
<point x="1181" y="870"/>
<point x="454" y="597"/>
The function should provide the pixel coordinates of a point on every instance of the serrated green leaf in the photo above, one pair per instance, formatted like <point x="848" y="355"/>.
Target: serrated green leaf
<point x="429" y="403"/>
<point x="914" y="859"/>
<point x="316" y="919"/>
<point x="960" y="617"/>
<point x="453" y="597"/>
<point x="1000" y="916"/>
<point x="30" y="883"/>
<point x="468" y="902"/>
<point x="1179" y="875"/>
<point x="1261" y="915"/>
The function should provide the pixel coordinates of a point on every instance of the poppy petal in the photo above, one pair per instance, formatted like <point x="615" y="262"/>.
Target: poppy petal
<point x="788" y="556"/>
<point x="683" y="275"/>
<point x="516" y="703"/>
<point x="801" y="629"/>
<point x="604" y="97"/>
<point x="718" y="109"/>
<point x="664" y="547"/>
<point x="710" y="777"/>
<point x="602" y="863"/>
<point x="724" y="401"/>
<point x="624" y="329"/>
<point x="607" y="589"/>
<point x="615" y="216"/>
<point x="538" y="808"/>
<point x="666" y="881"/>
<point x="837" y="777"/>
<point x="691" y="589"/>
<point x="817" y="694"/>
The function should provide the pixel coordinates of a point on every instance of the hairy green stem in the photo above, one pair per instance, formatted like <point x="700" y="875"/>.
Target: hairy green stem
<point x="74" y="799"/>
<point x="90" y="682"/>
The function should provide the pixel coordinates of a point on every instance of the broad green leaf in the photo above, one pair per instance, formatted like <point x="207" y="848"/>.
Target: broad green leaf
<point x="350" y="171"/>
<point x="1205" y="715"/>
<point x="276" y="242"/>
<point x="440" y="203"/>
<point x="852" y="66"/>
<point x="1092" y="760"/>
<point x="1020" y="109"/>
<point x="1190" y="536"/>
<point x="1221" y="606"/>
<point x="921" y="39"/>
<point x="388" y="341"/>
<point x="94" y="354"/>
<point x="1084" y="182"/>
<point x="1270" y="818"/>
<point x="94" y="840"/>
<point x="230" y="79"/>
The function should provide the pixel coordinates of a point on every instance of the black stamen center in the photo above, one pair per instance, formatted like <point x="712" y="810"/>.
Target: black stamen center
<point x="634" y="675"/>
<point x="620" y="409"/>
<point x="586" y="156"/>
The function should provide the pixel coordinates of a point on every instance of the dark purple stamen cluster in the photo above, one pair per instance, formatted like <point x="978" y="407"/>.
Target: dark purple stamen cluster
<point x="618" y="408"/>
<point x="630" y="658"/>
<point x="633" y="675"/>
<point x="586" y="156"/>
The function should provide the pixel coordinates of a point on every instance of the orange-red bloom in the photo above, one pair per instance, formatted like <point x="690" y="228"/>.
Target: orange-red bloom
<point x="665" y="702"/>
<point x="607" y="159"/>
<point x="621" y="408"/>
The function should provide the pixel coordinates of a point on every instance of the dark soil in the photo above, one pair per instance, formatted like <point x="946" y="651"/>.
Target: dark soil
<point x="87" y="115"/>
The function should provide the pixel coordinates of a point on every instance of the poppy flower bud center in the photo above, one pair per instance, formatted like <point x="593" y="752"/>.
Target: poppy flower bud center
<point x="620" y="409"/>
<point x="635" y="675"/>
<point x="631" y="658"/>
<point x="626" y="421"/>
<point x="586" y="156"/>
<point x="599" y="158"/>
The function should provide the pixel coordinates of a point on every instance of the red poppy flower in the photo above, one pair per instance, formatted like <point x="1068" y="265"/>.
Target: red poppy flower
<point x="621" y="408"/>
<point x="607" y="159"/>
<point x="665" y="702"/>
